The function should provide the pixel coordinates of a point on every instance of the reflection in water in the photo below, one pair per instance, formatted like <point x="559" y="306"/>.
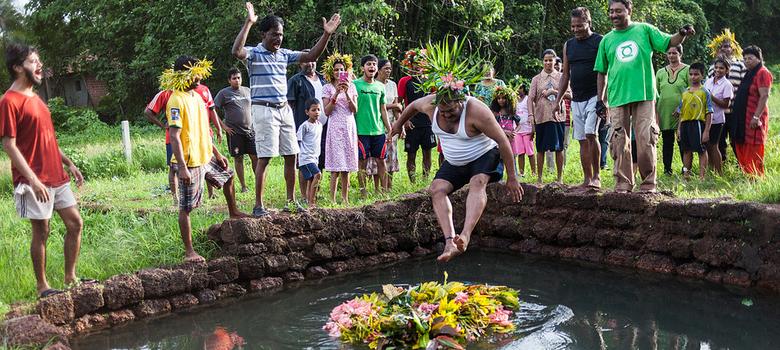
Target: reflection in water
<point x="221" y="339"/>
<point x="564" y="306"/>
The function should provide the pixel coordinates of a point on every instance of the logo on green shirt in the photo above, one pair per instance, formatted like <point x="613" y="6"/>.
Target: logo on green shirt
<point x="627" y="51"/>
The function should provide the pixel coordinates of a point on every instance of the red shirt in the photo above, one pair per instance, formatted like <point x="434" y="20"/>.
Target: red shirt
<point x="402" y="89"/>
<point x="28" y="120"/>
<point x="763" y="79"/>
<point x="157" y="104"/>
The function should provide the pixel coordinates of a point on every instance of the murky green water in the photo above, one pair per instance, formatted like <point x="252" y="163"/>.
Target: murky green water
<point x="565" y="306"/>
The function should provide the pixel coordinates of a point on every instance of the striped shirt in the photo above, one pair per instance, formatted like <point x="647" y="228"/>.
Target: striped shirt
<point x="736" y="73"/>
<point x="268" y="72"/>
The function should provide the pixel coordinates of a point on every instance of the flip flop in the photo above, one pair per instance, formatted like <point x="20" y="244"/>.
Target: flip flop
<point x="49" y="292"/>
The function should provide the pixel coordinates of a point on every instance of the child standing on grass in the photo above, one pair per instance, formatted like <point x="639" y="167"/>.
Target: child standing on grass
<point x="524" y="133"/>
<point x="722" y="92"/>
<point x="309" y="137"/>
<point x="693" y="129"/>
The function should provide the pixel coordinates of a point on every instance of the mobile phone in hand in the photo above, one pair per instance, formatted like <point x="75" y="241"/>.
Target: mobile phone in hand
<point x="343" y="76"/>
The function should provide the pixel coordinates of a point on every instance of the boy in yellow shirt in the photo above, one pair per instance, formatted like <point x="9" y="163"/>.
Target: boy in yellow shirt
<point x="693" y="129"/>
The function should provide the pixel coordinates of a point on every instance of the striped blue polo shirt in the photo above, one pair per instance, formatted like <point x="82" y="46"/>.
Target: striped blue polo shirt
<point x="268" y="72"/>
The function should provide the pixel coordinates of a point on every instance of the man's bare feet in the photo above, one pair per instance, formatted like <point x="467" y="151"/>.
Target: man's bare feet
<point x="193" y="257"/>
<point x="239" y="215"/>
<point x="462" y="241"/>
<point x="450" y="251"/>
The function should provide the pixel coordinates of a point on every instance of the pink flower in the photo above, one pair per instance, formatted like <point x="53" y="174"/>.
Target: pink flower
<point x="459" y="85"/>
<point x="501" y="317"/>
<point x="461" y="297"/>
<point x="427" y="308"/>
<point x="448" y="78"/>
<point x="333" y="329"/>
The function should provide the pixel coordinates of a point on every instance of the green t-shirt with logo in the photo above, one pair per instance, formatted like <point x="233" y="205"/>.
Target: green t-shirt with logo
<point x="371" y="96"/>
<point x="625" y="56"/>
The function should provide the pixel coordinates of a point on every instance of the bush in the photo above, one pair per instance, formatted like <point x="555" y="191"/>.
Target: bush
<point x="75" y="119"/>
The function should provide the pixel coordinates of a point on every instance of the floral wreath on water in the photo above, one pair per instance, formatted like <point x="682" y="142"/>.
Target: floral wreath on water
<point x="183" y="79"/>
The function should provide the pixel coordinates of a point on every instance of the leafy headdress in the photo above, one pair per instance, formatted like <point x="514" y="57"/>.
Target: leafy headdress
<point x="726" y="36"/>
<point x="336" y="57"/>
<point x="449" y="71"/>
<point x="509" y="93"/>
<point x="415" y="61"/>
<point x="181" y="80"/>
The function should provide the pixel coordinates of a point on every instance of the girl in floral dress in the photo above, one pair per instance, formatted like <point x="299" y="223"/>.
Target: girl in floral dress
<point x="341" y="147"/>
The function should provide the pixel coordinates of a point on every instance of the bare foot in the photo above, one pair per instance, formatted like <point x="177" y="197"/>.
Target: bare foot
<point x="462" y="242"/>
<point x="244" y="189"/>
<point x="239" y="215"/>
<point x="194" y="257"/>
<point x="450" y="251"/>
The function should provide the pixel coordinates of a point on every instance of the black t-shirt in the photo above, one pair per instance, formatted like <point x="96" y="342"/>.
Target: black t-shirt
<point x="412" y="94"/>
<point x="581" y="55"/>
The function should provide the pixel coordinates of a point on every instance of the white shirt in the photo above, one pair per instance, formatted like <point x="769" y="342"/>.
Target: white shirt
<point x="309" y="137"/>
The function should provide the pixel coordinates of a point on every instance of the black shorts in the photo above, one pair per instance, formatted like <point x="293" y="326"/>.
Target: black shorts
<point x="690" y="136"/>
<point x="489" y="164"/>
<point x="372" y="146"/>
<point x="715" y="133"/>
<point x="420" y="137"/>
<point x="240" y="145"/>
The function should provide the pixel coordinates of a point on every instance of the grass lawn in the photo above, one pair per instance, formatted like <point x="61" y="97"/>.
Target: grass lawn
<point x="130" y="221"/>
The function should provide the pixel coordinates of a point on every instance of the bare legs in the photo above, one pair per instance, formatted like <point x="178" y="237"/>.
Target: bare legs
<point x="72" y="244"/>
<point x="590" y="158"/>
<point x="289" y="178"/>
<point x="343" y="177"/>
<point x="238" y="163"/>
<point x="715" y="158"/>
<point x="381" y="174"/>
<point x="442" y="207"/>
<point x="558" y="165"/>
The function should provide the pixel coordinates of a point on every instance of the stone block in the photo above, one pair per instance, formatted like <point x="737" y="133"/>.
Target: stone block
<point x="229" y="290"/>
<point x="530" y="245"/>
<point x="266" y="284"/>
<point x="387" y="244"/>
<point x="298" y="261"/>
<point x="343" y="249"/>
<point x="692" y="270"/>
<point x="579" y="200"/>
<point x="183" y="301"/>
<point x="315" y="272"/>
<point x="276" y="263"/>
<point x="277" y="245"/>
<point x="656" y="263"/>
<point x="247" y="249"/>
<point x="120" y="317"/>
<point x="717" y="252"/>
<point x="251" y="267"/>
<point x="366" y="246"/>
<point x="302" y="242"/>
<point x="494" y="242"/>
<point x="206" y="296"/>
<point x="87" y="298"/>
<point x="336" y="267"/>
<point x="248" y="230"/>
<point x="90" y="323"/>
<point x="738" y="278"/>
<point x="320" y="252"/>
<point x="122" y="290"/>
<point x="159" y="283"/>
<point x="769" y="278"/>
<point x="702" y="208"/>
<point x="30" y="330"/>
<point x="57" y="308"/>
<point x="714" y="276"/>
<point x="736" y="211"/>
<point x="627" y="202"/>
<point x="214" y="233"/>
<point x="152" y="308"/>
<point x="622" y="257"/>
<point x="223" y="270"/>
<point x="402" y="256"/>
<point x="293" y="276"/>
<point x="420" y="251"/>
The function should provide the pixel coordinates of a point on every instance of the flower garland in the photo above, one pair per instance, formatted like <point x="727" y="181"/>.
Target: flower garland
<point x="509" y="93"/>
<point x="718" y="41"/>
<point x="449" y="71"/>
<point x="182" y="80"/>
<point x="336" y="57"/>
<point x="429" y="315"/>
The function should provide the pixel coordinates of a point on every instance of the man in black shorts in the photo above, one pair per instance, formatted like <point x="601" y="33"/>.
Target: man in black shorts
<point x="474" y="158"/>
<point x="418" y="130"/>
<point x="235" y="101"/>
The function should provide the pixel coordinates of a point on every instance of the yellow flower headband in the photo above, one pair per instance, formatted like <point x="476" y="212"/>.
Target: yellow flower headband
<point x="336" y="57"/>
<point x="183" y="79"/>
<point x="718" y="41"/>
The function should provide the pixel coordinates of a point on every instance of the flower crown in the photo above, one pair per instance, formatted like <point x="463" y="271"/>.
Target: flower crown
<point x="336" y="57"/>
<point x="509" y="93"/>
<point x="415" y="62"/>
<point x="718" y="41"/>
<point x="181" y="80"/>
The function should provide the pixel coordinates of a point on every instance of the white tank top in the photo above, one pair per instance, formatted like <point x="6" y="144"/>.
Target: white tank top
<point x="459" y="149"/>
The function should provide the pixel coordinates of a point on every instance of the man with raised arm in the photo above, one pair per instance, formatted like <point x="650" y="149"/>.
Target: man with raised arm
<point x="474" y="147"/>
<point x="625" y="57"/>
<point x="272" y="118"/>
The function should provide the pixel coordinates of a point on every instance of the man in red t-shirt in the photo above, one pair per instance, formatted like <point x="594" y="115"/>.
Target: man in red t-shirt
<point x="157" y="106"/>
<point x="41" y="185"/>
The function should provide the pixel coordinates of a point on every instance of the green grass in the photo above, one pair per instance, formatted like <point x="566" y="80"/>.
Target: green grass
<point x="130" y="221"/>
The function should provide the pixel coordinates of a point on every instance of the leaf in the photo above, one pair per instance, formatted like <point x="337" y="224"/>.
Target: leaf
<point x="391" y="291"/>
<point x="449" y="342"/>
<point x="747" y="302"/>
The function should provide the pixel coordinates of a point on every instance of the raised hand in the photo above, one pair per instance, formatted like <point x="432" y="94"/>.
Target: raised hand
<point x="250" y="13"/>
<point x="331" y="25"/>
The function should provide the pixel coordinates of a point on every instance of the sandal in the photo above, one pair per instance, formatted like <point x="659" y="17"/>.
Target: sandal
<point x="49" y="292"/>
